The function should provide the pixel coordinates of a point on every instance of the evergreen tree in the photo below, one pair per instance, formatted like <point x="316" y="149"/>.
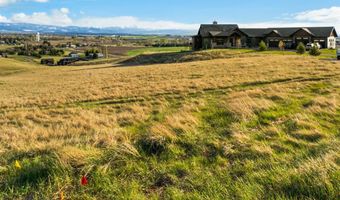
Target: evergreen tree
<point x="314" y="51"/>
<point x="301" y="49"/>
<point x="262" y="46"/>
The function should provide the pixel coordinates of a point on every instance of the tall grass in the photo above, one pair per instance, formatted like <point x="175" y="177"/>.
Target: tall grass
<point x="260" y="127"/>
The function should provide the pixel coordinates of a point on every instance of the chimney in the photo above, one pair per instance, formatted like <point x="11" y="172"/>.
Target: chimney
<point x="215" y="22"/>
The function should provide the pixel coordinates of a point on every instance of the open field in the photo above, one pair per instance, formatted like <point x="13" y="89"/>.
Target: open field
<point x="256" y="126"/>
<point x="152" y="50"/>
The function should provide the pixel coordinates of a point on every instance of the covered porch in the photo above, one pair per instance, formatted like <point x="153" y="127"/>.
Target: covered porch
<point x="232" y="41"/>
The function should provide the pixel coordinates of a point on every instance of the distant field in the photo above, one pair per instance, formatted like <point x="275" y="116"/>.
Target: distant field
<point x="239" y="124"/>
<point x="5" y="46"/>
<point x="152" y="50"/>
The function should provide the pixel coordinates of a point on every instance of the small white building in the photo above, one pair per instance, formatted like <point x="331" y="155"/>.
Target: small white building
<point x="100" y="55"/>
<point x="331" y="42"/>
<point x="74" y="55"/>
<point x="37" y="37"/>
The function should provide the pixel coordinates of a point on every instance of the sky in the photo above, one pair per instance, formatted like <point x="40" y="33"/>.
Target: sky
<point x="171" y="14"/>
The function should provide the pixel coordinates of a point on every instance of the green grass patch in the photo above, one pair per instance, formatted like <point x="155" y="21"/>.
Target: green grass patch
<point x="152" y="50"/>
<point x="10" y="66"/>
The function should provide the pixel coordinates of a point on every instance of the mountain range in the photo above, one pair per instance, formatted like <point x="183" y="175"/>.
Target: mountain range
<point x="75" y="30"/>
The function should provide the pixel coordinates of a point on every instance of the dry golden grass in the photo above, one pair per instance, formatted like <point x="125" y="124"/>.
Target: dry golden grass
<point x="233" y="110"/>
<point x="54" y="107"/>
<point x="56" y="86"/>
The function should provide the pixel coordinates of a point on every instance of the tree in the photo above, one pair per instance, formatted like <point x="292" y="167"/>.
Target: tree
<point x="314" y="51"/>
<point x="301" y="49"/>
<point x="46" y="43"/>
<point x="262" y="46"/>
<point x="91" y="51"/>
<point x="95" y="56"/>
<point x="281" y="45"/>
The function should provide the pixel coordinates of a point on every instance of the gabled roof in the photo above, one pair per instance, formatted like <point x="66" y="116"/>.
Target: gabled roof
<point x="276" y="32"/>
<point x="214" y="33"/>
<point x="308" y="31"/>
<point x="286" y="32"/>
<point x="322" y="31"/>
<point x="207" y="30"/>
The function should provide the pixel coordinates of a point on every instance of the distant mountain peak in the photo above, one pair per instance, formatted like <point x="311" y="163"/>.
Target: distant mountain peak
<point x="75" y="30"/>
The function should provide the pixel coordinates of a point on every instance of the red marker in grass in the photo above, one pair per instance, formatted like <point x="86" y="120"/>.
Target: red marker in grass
<point x="84" y="181"/>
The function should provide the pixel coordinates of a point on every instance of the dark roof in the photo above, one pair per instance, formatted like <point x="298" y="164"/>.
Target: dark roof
<point x="216" y="29"/>
<point x="322" y="31"/>
<point x="255" y="32"/>
<point x="287" y="32"/>
<point x="207" y="30"/>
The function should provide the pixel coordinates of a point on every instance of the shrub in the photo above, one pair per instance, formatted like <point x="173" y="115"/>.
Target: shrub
<point x="91" y="51"/>
<point x="95" y="56"/>
<point x="301" y="49"/>
<point x="281" y="45"/>
<point x="262" y="46"/>
<point x="315" y="51"/>
<point x="36" y="54"/>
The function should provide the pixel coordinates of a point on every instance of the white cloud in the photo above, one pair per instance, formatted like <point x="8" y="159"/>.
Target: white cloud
<point x="132" y="22"/>
<point x="56" y="17"/>
<point x="324" y="15"/>
<point x="61" y="17"/>
<point x="4" y="19"/>
<point x="7" y="2"/>
<point x="320" y="17"/>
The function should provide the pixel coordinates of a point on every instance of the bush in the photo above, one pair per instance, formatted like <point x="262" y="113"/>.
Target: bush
<point x="35" y="54"/>
<point x="315" y="51"/>
<point x="301" y="49"/>
<point x="281" y="45"/>
<point x="262" y="46"/>
<point x="91" y="51"/>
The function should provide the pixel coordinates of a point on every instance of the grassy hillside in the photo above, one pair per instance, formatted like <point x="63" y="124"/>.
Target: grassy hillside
<point x="179" y="55"/>
<point x="256" y="127"/>
<point x="13" y="66"/>
<point x="152" y="50"/>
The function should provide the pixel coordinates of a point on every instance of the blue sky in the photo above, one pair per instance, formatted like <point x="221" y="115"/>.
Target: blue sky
<point x="174" y="14"/>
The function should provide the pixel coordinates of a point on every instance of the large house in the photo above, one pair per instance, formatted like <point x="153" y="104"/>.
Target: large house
<point x="231" y="36"/>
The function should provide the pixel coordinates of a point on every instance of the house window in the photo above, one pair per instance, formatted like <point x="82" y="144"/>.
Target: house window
<point x="219" y="42"/>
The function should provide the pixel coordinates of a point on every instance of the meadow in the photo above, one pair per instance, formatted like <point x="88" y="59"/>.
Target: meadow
<point x="152" y="50"/>
<point x="247" y="125"/>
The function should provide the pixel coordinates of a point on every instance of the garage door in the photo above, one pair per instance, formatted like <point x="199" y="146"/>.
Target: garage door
<point x="273" y="43"/>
